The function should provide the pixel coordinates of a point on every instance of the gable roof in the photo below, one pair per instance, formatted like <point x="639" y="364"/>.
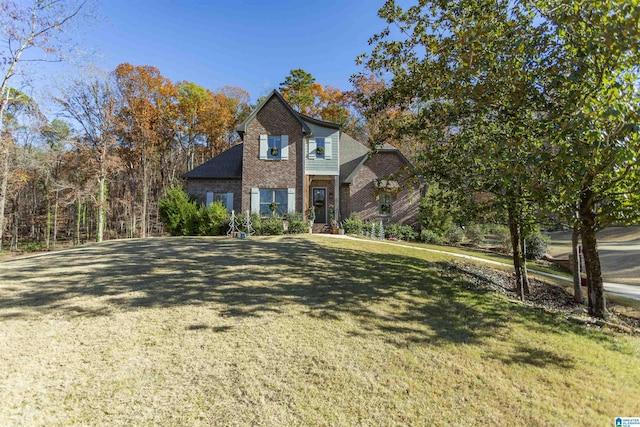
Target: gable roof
<point x="242" y="127"/>
<point x="318" y="122"/>
<point x="227" y="165"/>
<point x="353" y="155"/>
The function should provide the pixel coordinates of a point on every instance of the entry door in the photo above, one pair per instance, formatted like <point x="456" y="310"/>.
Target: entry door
<point x="320" y="204"/>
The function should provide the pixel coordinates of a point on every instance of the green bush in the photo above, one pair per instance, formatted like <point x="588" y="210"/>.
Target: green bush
<point x="297" y="224"/>
<point x="429" y="236"/>
<point x="353" y="224"/>
<point x="503" y="237"/>
<point x="435" y="210"/>
<point x="400" y="232"/>
<point x="256" y="222"/>
<point x="272" y="226"/>
<point x="536" y="245"/>
<point x="212" y="220"/>
<point x="475" y="233"/>
<point x="369" y="226"/>
<point x="178" y="212"/>
<point x="455" y="235"/>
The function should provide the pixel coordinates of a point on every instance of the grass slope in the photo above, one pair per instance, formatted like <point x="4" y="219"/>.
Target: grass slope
<point x="290" y="331"/>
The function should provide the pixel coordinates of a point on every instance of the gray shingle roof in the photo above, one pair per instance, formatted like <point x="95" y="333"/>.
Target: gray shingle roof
<point x="227" y="164"/>
<point x="352" y="154"/>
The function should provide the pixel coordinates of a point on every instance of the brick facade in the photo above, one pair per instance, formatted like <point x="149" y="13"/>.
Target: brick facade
<point x="361" y="195"/>
<point x="273" y="119"/>
<point x="199" y="188"/>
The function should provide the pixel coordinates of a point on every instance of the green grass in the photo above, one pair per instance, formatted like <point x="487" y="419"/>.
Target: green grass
<point x="291" y="331"/>
<point x="491" y="256"/>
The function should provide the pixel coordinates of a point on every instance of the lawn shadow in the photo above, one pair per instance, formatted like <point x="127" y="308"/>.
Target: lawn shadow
<point x="406" y="298"/>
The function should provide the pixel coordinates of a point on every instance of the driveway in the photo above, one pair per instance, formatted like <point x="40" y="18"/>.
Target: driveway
<point x="619" y="249"/>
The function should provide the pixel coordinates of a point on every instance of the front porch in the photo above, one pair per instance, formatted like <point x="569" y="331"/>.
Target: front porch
<point x="322" y="202"/>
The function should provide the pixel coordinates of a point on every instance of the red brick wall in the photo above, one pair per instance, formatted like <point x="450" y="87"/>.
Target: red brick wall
<point x="362" y="193"/>
<point x="199" y="188"/>
<point x="273" y="119"/>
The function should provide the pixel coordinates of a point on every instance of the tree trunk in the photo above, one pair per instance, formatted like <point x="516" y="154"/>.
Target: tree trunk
<point x="102" y="200"/>
<point x="597" y="303"/>
<point x="575" y="250"/>
<point x="514" y="233"/>
<point x="55" y="221"/>
<point x="78" y="219"/>
<point x="48" y="232"/>
<point x="4" y="155"/>
<point x="525" y="273"/>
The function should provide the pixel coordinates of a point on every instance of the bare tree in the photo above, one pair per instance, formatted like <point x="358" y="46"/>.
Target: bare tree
<point x="40" y="28"/>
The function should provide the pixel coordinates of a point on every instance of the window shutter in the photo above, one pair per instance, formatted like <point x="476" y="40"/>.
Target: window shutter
<point x="312" y="148"/>
<point x="328" y="148"/>
<point x="291" y="199"/>
<point x="264" y="146"/>
<point x="229" y="202"/>
<point x="255" y="200"/>
<point x="209" y="198"/>
<point x="284" y="147"/>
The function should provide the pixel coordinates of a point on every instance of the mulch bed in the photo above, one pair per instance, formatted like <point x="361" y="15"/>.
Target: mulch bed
<point x="549" y="297"/>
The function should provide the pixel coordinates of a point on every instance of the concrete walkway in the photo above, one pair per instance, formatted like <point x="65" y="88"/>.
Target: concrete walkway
<point x="627" y="291"/>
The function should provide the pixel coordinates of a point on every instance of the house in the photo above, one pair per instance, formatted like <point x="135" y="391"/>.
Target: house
<point x="289" y="162"/>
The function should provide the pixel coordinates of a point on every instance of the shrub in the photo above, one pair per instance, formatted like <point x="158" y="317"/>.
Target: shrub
<point x="256" y="222"/>
<point x="400" y="232"/>
<point x="429" y="236"/>
<point x="297" y="224"/>
<point x="455" y="235"/>
<point x="435" y="210"/>
<point x="536" y="245"/>
<point x="272" y="226"/>
<point x="371" y="226"/>
<point x="353" y="224"/>
<point x="503" y="237"/>
<point x="475" y="234"/>
<point x="178" y="212"/>
<point x="212" y="220"/>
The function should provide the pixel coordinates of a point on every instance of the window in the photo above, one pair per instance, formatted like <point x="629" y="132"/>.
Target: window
<point x="225" y="198"/>
<point x="274" y="148"/>
<point x="273" y="201"/>
<point x="320" y="148"/>
<point x="385" y="204"/>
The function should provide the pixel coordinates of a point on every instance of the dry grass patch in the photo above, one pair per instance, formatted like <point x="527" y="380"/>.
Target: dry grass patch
<point x="290" y="331"/>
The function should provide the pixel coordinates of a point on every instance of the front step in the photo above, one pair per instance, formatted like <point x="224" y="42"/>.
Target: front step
<point x="322" y="229"/>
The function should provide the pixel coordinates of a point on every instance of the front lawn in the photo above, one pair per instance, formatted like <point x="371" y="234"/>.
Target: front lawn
<point x="291" y="331"/>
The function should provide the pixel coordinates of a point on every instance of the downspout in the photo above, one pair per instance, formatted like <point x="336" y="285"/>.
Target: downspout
<point x="336" y="181"/>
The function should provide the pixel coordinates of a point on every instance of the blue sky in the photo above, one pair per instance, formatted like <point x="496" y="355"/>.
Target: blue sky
<point x="251" y="44"/>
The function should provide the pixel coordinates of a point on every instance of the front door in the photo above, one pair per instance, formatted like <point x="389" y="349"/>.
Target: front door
<point x="320" y="205"/>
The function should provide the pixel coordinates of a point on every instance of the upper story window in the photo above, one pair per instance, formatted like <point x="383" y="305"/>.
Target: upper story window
<point x="274" y="147"/>
<point x="274" y="151"/>
<point x="320" y="148"/>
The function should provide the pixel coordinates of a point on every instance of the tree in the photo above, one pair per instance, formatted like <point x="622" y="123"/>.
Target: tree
<point x="144" y="126"/>
<point x="594" y="143"/>
<point x="297" y="89"/>
<point x="42" y="28"/>
<point x="461" y="83"/>
<point x="91" y="102"/>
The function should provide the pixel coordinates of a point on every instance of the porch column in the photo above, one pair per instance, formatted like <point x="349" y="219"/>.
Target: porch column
<point x="336" y="192"/>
